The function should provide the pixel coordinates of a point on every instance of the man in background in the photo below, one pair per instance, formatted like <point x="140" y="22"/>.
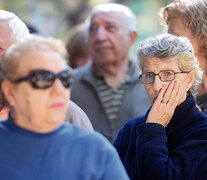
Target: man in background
<point x="12" y="30"/>
<point x="107" y="89"/>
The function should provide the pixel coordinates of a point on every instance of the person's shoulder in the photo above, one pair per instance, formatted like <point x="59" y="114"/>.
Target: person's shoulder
<point x="77" y="116"/>
<point x="127" y="133"/>
<point x="79" y="72"/>
<point x="132" y="124"/>
<point x="84" y="135"/>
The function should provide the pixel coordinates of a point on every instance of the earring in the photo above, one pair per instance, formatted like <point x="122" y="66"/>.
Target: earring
<point x="186" y="89"/>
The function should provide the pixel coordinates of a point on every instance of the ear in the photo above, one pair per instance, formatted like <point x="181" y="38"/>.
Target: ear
<point x="190" y="79"/>
<point x="133" y="37"/>
<point x="8" y="90"/>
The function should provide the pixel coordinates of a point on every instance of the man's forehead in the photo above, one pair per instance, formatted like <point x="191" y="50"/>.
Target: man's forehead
<point x="5" y="31"/>
<point x="109" y="18"/>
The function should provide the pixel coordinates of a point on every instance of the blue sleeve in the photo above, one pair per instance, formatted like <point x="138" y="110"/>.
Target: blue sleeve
<point x="114" y="168"/>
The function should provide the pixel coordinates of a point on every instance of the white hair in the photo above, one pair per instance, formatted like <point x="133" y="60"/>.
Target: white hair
<point x="169" y="48"/>
<point x="18" y="29"/>
<point x="126" y="13"/>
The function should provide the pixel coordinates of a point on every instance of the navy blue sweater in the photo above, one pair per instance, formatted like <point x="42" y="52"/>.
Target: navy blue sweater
<point x="151" y="151"/>
<point x="67" y="153"/>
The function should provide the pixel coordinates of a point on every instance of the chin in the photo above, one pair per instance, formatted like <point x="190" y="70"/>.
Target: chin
<point x="57" y="118"/>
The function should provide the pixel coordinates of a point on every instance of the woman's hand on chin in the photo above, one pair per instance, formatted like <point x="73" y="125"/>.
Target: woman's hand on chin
<point x="164" y="106"/>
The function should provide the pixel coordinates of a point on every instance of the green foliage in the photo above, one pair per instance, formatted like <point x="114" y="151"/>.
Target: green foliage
<point x="95" y="2"/>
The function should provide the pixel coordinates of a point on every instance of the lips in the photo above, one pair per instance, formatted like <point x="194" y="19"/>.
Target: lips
<point x="100" y="49"/>
<point x="58" y="105"/>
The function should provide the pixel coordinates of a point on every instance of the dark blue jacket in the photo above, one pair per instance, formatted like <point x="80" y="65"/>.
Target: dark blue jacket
<point x="151" y="151"/>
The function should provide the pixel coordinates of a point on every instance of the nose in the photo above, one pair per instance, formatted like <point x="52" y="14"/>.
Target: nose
<point x="58" y="86"/>
<point x="157" y="84"/>
<point x="101" y="34"/>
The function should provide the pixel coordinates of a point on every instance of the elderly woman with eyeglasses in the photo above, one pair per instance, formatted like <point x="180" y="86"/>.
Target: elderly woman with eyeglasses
<point x="35" y="142"/>
<point x="171" y="137"/>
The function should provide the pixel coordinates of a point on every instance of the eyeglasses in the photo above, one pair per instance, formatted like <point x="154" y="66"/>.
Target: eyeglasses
<point x="164" y="76"/>
<point x="43" y="79"/>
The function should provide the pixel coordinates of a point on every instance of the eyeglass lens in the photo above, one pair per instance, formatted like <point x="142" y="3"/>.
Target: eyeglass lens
<point x="163" y="75"/>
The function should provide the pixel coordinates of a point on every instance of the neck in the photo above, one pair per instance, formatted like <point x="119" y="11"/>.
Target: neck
<point x="4" y="113"/>
<point x="31" y="124"/>
<point x="114" y="73"/>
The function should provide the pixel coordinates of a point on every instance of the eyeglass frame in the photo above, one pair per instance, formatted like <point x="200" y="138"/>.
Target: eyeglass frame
<point x="155" y="74"/>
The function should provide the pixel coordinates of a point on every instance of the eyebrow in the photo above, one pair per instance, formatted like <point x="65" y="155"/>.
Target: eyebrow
<point x="106" y="22"/>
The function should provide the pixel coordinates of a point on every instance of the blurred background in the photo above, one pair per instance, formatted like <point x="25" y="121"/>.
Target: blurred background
<point x="56" y="17"/>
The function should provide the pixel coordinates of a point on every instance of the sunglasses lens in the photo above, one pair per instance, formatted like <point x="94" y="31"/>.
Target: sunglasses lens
<point x="42" y="79"/>
<point x="66" y="78"/>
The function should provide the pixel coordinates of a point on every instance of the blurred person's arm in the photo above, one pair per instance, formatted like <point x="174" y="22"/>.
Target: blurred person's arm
<point x="77" y="116"/>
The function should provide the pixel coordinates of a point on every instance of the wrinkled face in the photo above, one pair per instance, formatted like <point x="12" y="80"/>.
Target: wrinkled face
<point x="176" y="27"/>
<point x="40" y="110"/>
<point x="156" y="65"/>
<point x="5" y="41"/>
<point x="109" y="39"/>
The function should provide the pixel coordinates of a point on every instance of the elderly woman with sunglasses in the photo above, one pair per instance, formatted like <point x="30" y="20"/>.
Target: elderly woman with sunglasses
<point x="36" y="143"/>
<point x="171" y="137"/>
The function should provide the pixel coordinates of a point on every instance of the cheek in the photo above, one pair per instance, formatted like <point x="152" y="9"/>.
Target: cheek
<point x="149" y="91"/>
<point x="92" y="41"/>
<point x="195" y="46"/>
<point x="1" y="53"/>
<point x="22" y="101"/>
<point x="68" y="93"/>
<point x="36" y="102"/>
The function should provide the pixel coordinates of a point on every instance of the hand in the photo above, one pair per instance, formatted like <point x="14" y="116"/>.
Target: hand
<point x="164" y="106"/>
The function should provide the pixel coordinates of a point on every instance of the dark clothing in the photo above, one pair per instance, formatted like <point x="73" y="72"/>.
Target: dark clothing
<point x="68" y="152"/>
<point x="202" y="102"/>
<point x="151" y="151"/>
<point x="85" y="94"/>
<point x="199" y="171"/>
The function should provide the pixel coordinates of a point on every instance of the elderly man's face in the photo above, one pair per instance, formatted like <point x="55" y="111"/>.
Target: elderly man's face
<point x="5" y="41"/>
<point x="109" y="38"/>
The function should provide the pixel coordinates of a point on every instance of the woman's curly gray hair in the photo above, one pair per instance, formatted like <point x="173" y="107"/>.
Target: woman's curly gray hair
<point x="193" y="14"/>
<point x="168" y="48"/>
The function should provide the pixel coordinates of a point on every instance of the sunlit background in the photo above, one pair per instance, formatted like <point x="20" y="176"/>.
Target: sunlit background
<point x="56" y="17"/>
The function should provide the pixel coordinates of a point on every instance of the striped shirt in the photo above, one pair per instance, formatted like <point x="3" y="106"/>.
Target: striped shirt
<point x="111" y="98"/>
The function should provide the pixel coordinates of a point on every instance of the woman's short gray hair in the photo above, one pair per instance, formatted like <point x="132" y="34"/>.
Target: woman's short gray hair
<point x="18" y="29"/>
<point x="11" y="59"/>
<point x="169" y="47"/>
<point x="126" y="13"/>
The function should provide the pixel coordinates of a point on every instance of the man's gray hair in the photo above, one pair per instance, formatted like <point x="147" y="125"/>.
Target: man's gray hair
<point x="168" y="48"/>
<point x="126" y="13"/>
<point x="18" y="29"/>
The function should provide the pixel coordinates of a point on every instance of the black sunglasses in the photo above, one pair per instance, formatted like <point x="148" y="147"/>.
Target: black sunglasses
<point x="42" y="79"/>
